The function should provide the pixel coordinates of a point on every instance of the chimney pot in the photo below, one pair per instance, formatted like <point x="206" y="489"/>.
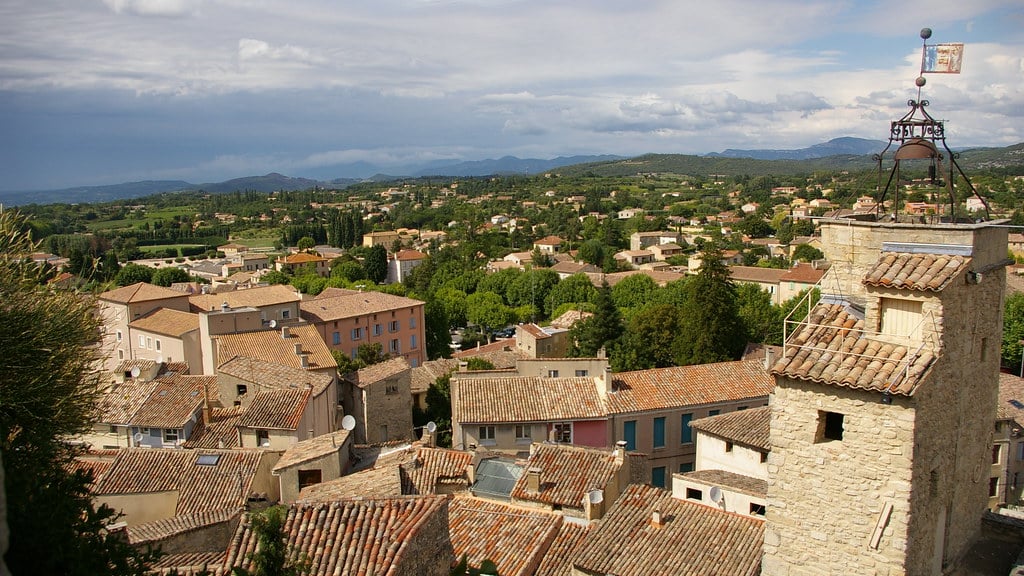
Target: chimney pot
<point x="298" y="348"/>
<point x="533" y="479"/>
<point x="304" y="360"/>
<point x="285" y="333"/>
<point x="656" y="519"/>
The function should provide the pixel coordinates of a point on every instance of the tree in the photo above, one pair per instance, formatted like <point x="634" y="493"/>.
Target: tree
<point x="167" y="276"/>
<point x="634" y="291"/>
<point x="711" y="329"/>
<point x="592" y="252"/>
<point x="476" y="363"/>
<point x="271" y="557"/>
<point x="305" y="243"/>
<point x="133" y="274"/>
<point x="48" y="391"/>
<point x="276" y="277"/>
<point x="807" y="253"/>
<point x="602" y="330"/>
<point x="531" y="288"/>
<point x="487" y="310"/>
<point x="376" y="264"/>
<point x="1013" y="331"/>
<point x="761" y="319"/>
<point x="435" y="330"/>
<point x="576" y="289"/>
<point x="649" y="340"/>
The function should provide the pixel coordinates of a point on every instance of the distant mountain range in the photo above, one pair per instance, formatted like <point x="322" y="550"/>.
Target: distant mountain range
<point x="836" y="154"/>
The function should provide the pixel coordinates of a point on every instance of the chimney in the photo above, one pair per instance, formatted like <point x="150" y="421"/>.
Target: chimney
<point x="593" y="504"/>
<point x="463" y="366"/>
<point x="304" y="360"/>
<point x="769" y="358"/>
<point x="620" y="452"/>
<point x="224" y="307"/>
<point x="533" y="480"/>
<point x="471" y="474"/>
<point x="285" y="333"/>
<point x="298" y="348"/>
<point x="657" y="520"/>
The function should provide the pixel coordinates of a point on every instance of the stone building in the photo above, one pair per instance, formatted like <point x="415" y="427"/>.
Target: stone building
<point x="379" y="397"/>
<point x="882" y="416"/>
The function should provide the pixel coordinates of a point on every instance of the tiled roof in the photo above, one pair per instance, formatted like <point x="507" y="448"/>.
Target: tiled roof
<point x="220" y="432"/>
<point x="573" y="267"/>
<point x="410" y="255"/>
<point x="567" y="473"/>
<point x="832" y="348"/>
<point x="558" y="560"/>
<point x="331" y="292"/>
<point x="501" y="354"/>
<point x="425" y="375"/>
<point x="1011" y="398"/>
<point x="694" y="539"/>
<point x="748" y="427"/>
<point x="270" y="346"/>
<point x="302" y="258"/>
<point x="279" y="409"/>
<point x="514" y="538"/>
<point x="191" y="564"/>
<point x="140" y="292"/>
<point x="921" y="272"/>
<point x="271" y="375"/>
<point x="312" y="448"/>
<point x="161" y="529"/>
<point x="736" y="482"/>
<point x="379" y="372"/>
<point x="352" y="305"/>
<point x="431" y="466"/>
<point x="526" y="399"/>
<point x="570" y="317"/>
<point x="225" y="484"/>
<point x="756" y="274"/>
<point x="250" y="297"/>
<point x="349" y="537"/>
<point x="173" y="401"/>
<point x="660" y="277"/>
<point x="549" y="241"/>
<point x="383" y="482"/>
<point x="535" y="331"/>
<point x="803" y="273"/>
<point x="123" y="400"/>
<point x="167" y="322"/>
<point x="679" y="386"/>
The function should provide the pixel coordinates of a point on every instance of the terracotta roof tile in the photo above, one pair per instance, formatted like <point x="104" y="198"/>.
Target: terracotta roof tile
<point x="514" y="538"/>
<point x="352" y="536"/>
<point x="173" y="402"/>
<point x="831" y="347"/>
<point x="526" y="399"/>
<point x="123" y="400"/>
<point x="748" y="427"/>
<point x="220" y="432"/>
<point x="424" y="376"/>
<point x="223" y="484"/>
<point x="279" y="409"/>
<point x="140" y="292"/>
<point x="379" y="372"/>
<point x="191" y="564"/>
<point x="382" y="482"/>
<point x="694" y="539"/>
<point x="161" y="529"/>
<point x="302" y="258"/>
<point x="167" y="322"/>
<point x="352" y="305"/>
<point x="502" y="354"/>
<point x="567" y="473"/>
<point x="250" y="297"/>
<point x="1011" y="398"/>
<point x="431" y="466"/>
<point x="313" y="448"/>
<point x="737" y="482"/>
<point x="270" y="346"/>
<point x="920" y="272"/>
<point x="271" y="375"/>
<point x="679" y="386"/>
<point x="803" y="273"/>
<point x="410" y="255"/>
<point x="756" y="274"/>
<point x="558" y="560"/>
<point x="569" y="318"/>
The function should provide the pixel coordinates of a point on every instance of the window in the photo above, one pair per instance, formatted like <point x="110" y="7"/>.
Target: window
<point x="391" y="389"/>
<point x="659" y="432"/>
<point x="412" y="342"/>
<point x="901" y="318"/>
<point x="242" y="389"/>
<point x="658" y="476"/>
<point x="393" y="326"/>
<point x="714" y="412"/>
<point x="686" y="467"/>
<point x="171" y="435"/>
<point x="149" y="342"/>
<point x="308" y="478"/>
<point x="118" y="335"/>
<point x="142" y="341"/>
<point x="377" y="330"/>
<point x="694" y="494"/>
<point x="563" y="432"/>
<point x="120" y="356"/>
<point x="686" y="434"/>
<point x="336" y="338"/>
<point x="395" y="346"/>
<point x="756" y="509"/>
<point x="486" y="435"/>
<point x="581" y="374"/>
<point x="285" y="314"/>
<point x="552" y="373"/>
<point x="995" y="454"/>
<point x="830" y="426"/>
<point x="158" y="345"/>
<point x="262" y="438"/>
<point x="993" y="487"/>
<point x="208" y="459"/>
<point x="1020" y="451"/>
<point x="764" y="457"/>
<point x="728" y="446"/>
<point x="412" y="322"/>
<point x="629" y="434"/>
<point x="357" y="333"/>
<point x="522" y="433"/>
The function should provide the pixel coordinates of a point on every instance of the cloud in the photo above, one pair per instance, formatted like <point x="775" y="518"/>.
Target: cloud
<point x="161" y="8"/>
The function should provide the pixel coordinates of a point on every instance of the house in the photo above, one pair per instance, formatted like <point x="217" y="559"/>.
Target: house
<point x="402" y="263"/>
<point x="121" y="306"/>
<point x="801" y="276"/>
<point x="542" y="342"/>
<point x="312" y="461"/>
<point x="1008" y="444"/>
<point x="189" y="543"/>
<point x="732" y="462"/>
<point x="385" y="238"/>
<point x="665" y="251"/>
<point x="278" y="303"/>
<point x="766" y="279"/>
<point x="635" y="258"/>
<point x="349" y="320"/>
<point x="628" y="213"/>
<point x="379" y="536"/>
<point x="173" y="409"/>
<point x="920" y="324"/>
<point x="647" y="531"/>
<point x="379" y="397"/>
<point x="568" y="268"/>
<point x="246" y="263"/>
<point x="548" y="244"/>
<point x="232" y="249"/>
<point x="422" y="377"/>
<point x="296" y="263"/>
<point x="166" y="335"/>
<point x="729" y="258"/>
<point x="520" y="259"/>
<point x="278" y="418"/>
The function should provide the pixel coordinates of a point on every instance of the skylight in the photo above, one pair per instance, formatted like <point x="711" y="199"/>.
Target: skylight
<point x="208" y="459"/>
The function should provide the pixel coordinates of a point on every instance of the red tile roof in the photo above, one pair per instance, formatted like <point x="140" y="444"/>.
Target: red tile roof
<point x="161" y="529"/>
<point x="352" y="305"/>
<point x="756" y="274"/>
<point x="558" y="560"/>
<point x="168" y="322"/>
<point x="279" y="409"/>
<point x="567" y="473"/>
<point x="173" y="401"/>
<point x="270" y="346"/>
<point x="271" y="375"/>
<point x="832" y="348"/>
<point x="737" y="482"/>
<point x="525" y="399"/>
<point x="250" y="297"/>
<point x="409" y="255"/>
<point x="514" y="538"/>
<point x="920" y="272"/>
<point x="221" y="431"/>
<point x="140" y="292"/>
<point x="432" y="466"/>
<point x="680" y="386"/>
<point x="803" y="273"/>
<point x="694" y="539"/>
<point x="379" y="372"/>
<point x="1011" y="398"/>
<point x="354" y="536"/>
<point x="748" y="427"/>
<point x="313" y="448"/>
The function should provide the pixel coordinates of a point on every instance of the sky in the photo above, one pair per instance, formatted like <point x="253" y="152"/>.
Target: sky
<point x="99" y="92"/>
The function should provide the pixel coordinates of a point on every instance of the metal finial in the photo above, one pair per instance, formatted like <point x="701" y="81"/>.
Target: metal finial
<point x="926" y="33"/>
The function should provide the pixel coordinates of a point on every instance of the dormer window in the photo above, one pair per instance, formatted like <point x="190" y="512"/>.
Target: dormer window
<point x="900" y="317"/>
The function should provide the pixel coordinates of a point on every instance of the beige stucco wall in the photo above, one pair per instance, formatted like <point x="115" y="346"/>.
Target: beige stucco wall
<point x="330" y="466"/>
<point x="711" y="455"/>
<point x="142" y="508"/>
<point x="732" y="501"/>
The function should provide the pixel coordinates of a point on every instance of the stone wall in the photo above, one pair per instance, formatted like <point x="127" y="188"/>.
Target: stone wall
<point x="388" y="403"/>
<point x="429" y="551"/>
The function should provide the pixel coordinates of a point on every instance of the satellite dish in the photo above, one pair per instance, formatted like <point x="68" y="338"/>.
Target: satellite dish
<point x="715" y="494"/>
<point x="135" y="372"/>
<point x="348" y="423"/>
<point x="431" y="427"/>
<point x="595" y="496"/>
<point x="138" y="435"/>
<point x="273" y="323"/>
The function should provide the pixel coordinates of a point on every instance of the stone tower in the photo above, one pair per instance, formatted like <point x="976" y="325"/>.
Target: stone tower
<point x="883" y="412"/>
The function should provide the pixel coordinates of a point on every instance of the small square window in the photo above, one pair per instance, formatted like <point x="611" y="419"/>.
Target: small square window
<point x="581" y="373"/>
<point x="694" y="494"/>
<point x="830" y="426"/>
<point x="764" y="457"/>
<point x="552" y="373"/>
<point x="487" y="434"/>
<point x="728" y="446"/>
<point x="993" y="487"/>
<point x="996" y="450"/>
<point x="756" y="509"/>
